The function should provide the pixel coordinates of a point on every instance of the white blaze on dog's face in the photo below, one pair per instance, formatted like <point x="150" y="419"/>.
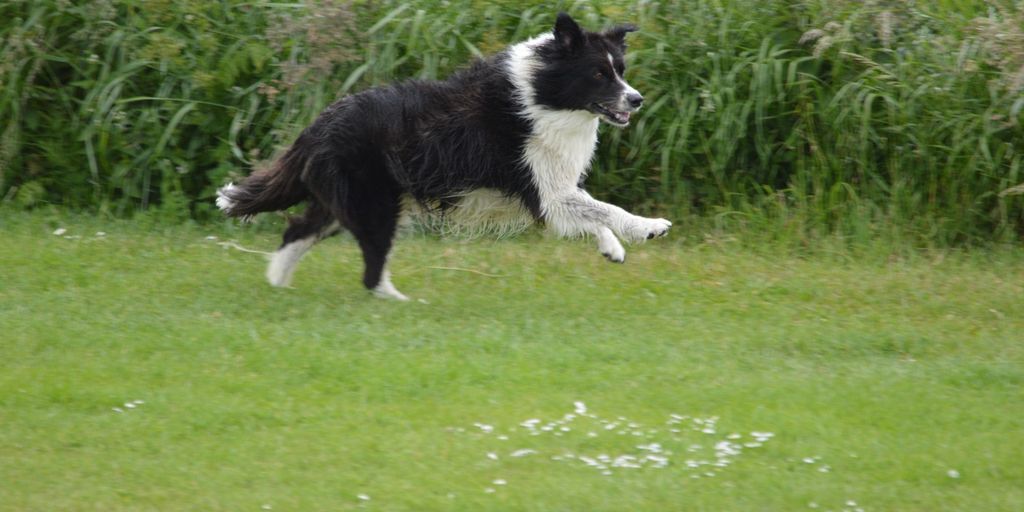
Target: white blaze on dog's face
<point x="583" y="70"/>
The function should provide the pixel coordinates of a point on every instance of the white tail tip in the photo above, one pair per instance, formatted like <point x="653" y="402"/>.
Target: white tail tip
<point x="224" y="202"/>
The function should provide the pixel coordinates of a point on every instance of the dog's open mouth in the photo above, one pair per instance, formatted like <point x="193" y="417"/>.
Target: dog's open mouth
<point x="616" y="117"/>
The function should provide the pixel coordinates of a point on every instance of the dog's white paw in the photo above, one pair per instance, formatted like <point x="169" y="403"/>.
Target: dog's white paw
<point x="612" y="249"/>
<point x="610" y="246"/>
<point x="389" y="293"/>
<point x="646" y="229"/>
<point x="386" y="290"/>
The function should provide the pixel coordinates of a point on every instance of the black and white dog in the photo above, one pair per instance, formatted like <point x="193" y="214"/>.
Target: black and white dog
<point x="515" y="132"/>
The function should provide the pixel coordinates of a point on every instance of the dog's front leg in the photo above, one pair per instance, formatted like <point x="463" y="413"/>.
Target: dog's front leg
<point x="577" y="213"/>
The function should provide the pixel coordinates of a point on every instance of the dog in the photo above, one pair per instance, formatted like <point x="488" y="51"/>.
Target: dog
<point x="514" y="132"/>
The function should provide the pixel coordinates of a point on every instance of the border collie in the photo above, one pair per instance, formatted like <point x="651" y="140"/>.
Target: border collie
<point x="515" y="131"/>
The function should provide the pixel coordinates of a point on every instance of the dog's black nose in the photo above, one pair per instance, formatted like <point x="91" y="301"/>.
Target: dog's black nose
<point x="635" y="100"/>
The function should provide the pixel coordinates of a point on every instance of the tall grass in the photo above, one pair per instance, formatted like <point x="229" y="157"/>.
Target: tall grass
<point x="801" y="119"/>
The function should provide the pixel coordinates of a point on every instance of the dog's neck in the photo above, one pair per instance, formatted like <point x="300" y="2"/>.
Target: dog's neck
<point x="562" y="142"/>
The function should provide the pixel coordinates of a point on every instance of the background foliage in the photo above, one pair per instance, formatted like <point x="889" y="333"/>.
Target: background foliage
<point x="802" y="119"/>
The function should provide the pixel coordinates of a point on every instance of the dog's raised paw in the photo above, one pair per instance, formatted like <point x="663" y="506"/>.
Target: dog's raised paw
<point x="615" y="258"/>
<point x="611" y="248"/>
<point x="651" y="228"/>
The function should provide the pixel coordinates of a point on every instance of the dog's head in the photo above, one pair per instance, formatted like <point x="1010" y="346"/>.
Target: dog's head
<point x="582" y="70"/>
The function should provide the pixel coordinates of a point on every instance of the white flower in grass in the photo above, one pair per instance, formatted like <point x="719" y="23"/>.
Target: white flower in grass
<point x="489" y="490"/>
<point x="500" y="481"/>
<point x="363" y="497"/>
<point x="492" y="455"/>
<point x="953" y="473"/>
<point x="653" y="447"/>
<point x="725" y="449"/>
<point x="59" y="231"/>
<point x="657" y="460"/>
<point x="581" y="408"/>
<point x="523" y="452"/>
<point x="530" y="423"/>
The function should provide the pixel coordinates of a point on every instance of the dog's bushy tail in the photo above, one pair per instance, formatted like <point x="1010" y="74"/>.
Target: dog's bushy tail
<point x="272" y="189"/>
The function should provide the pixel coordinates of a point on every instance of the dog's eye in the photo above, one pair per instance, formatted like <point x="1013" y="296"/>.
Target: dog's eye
<point x="598" y="75"/>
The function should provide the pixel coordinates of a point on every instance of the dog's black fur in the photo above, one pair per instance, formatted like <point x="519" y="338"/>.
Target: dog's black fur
<point x="431" y="140"/>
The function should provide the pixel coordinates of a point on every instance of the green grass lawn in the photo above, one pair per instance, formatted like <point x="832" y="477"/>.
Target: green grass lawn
<point x="899" y="380"/>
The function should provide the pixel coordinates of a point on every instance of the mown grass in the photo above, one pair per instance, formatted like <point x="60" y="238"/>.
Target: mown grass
<point x="880" y="119"/>
<point x="892" y="370"/>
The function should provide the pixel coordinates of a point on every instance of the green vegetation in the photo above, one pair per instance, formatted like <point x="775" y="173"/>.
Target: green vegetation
<point x="828" y="164"/>
<point x="886" y="372"/>
<point x="879" y="119"/>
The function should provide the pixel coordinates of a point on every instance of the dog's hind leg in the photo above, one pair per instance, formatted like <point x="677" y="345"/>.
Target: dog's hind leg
<point x="302" y="233"/>
<point x="373" y="221"/>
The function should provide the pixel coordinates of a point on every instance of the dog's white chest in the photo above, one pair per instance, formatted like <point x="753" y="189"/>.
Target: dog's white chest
<point x="559" y="150"/>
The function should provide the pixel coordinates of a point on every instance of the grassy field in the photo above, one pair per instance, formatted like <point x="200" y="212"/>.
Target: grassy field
<point x="152" y="368"/>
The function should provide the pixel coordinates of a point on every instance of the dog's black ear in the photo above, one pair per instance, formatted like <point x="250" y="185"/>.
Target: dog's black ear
<point x="568" y="33"/>
<point x="617" y="34"/>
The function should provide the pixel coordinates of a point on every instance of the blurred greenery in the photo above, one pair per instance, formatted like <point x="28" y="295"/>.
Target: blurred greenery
<point x="804" y="119"/>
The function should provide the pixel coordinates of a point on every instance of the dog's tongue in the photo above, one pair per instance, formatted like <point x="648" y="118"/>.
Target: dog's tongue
<point x="622" y="117"/>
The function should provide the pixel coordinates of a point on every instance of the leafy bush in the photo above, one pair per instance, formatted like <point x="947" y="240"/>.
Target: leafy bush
<point x="804" y="119"/>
